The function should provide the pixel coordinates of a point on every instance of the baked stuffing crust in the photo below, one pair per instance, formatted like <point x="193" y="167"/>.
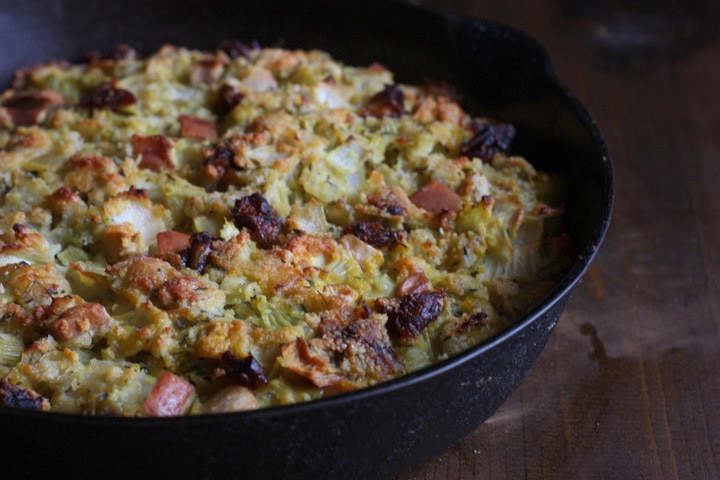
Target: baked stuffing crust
<point x="201" y="232"/>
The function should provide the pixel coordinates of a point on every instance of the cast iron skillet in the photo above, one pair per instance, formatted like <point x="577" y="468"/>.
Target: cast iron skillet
<point x="381" y="431"/>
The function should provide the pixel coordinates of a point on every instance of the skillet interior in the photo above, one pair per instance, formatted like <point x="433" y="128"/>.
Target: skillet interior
<point x="386" y="429"/>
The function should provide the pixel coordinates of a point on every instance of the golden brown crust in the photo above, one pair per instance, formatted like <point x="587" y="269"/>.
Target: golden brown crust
<point x="201" y="232"/>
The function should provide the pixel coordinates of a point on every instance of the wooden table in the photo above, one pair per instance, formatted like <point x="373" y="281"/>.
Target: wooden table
<point x="629" y="385"/>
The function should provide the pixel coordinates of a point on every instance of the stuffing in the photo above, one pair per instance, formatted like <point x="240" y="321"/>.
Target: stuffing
<point x="199" y="232"/>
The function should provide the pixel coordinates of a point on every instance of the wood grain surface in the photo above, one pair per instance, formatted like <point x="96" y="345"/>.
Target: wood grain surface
<point x="629" y="384"/>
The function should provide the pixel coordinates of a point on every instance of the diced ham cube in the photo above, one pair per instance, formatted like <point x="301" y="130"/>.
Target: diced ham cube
<point x="155" y="152"/>
<point x="30" y="108"/>
<point x="417" y="282"/>
<point x="436" y="198"/>
<point x="172" y="242"/>
<point x="169" y="396"/>
<point x="197" y="128"/>
<point x="79" y="319"/>
<point x="34" y="99"/>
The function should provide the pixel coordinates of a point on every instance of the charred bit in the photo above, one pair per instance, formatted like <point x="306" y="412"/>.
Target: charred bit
<point x="236" y="48"/>
<point x="412" y="312"/>
<point x="18" y="397"/>
<point x="228" y="98"/>
<point x="375" y="234"/>
<point x="245" y="371"/>
<point x="260" y="219"/>
<point x="489" y="139"/>
<point x="197" y="254"/>
<point x="389" y="102"/>
<point x="107" y="95"/>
